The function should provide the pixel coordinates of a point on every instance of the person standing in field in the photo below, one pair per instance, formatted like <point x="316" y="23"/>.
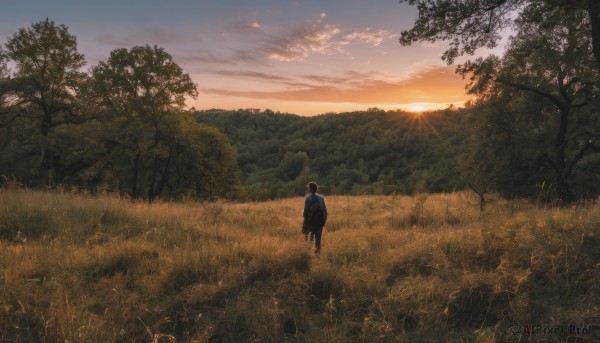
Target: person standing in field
<point x="315" y="215"/>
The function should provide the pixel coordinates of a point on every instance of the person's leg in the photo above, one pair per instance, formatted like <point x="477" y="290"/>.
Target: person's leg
<point x="307" y="233"/>
<point x="317" y="234"/>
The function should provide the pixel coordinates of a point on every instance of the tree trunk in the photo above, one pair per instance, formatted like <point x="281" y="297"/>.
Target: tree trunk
<point x="563" y="193"/>
<point x="164" y="176"/>
<point x="134" y="177"/>
<point x="594" y="12"/>
<point x="152" y="186"/>
<point x="46" y="158"/>
<point x="152" y="182"/>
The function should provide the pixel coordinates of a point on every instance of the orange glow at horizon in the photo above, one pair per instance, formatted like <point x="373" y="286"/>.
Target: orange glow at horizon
<point x="428" y="90"/>
<point x="317" y="108"/>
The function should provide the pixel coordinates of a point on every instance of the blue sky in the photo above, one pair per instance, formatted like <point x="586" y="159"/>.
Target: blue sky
<point x="303" y="57"/>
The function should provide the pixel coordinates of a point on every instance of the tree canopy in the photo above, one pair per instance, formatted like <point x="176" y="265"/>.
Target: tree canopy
<point x="142" y="80"/>
<point x="472" y="24"/>
<point x="121" y="127"/>
<point x="44" y="83"/>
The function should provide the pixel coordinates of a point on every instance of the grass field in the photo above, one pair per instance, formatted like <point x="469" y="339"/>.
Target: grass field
<point x="427" y="268"/>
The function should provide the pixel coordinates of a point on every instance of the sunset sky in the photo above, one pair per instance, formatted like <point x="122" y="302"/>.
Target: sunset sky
<point x="302" y="57"/>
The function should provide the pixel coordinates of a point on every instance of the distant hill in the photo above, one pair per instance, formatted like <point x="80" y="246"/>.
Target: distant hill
<point x="371" y="152"/>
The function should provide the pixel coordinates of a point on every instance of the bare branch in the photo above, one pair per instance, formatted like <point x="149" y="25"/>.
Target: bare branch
<point x="560" y="104"/>
<point x="3" y="125"/>
<point x="587" y="147"/>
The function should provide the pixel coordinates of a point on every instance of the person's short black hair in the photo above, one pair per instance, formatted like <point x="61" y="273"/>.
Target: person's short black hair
<point x="312" y="187"/>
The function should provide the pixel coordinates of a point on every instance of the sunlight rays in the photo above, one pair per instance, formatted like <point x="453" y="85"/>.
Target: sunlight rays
<point x="419" y="124"/>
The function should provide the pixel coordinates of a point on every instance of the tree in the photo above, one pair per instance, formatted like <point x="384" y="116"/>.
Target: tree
<point x="204" y="159"/>
<point x="477" y="171"/>
<point x="548" y="63"/>
<point x="141" y="89"/>
<point x="471" y="24"/>
<point x="45" y="82"/>
<point x="142" y="81"/>
<point x="4" y="93"/>
<point x="3" y="66"/>
<point x="291" y="165"/>
<point x="155" y="142"/>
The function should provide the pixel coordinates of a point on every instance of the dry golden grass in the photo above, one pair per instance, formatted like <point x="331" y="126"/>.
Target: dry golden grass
<point x="425" y="268"/>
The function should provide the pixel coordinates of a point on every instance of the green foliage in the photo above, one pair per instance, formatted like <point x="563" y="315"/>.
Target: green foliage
<point x="372" y="152"/>
<point x="3" y="66"/>
<point x="121" y="128"/>
<point x="472" y="24"/>
<point x="43" y="85"/>
<point x="140" y="91"/>
<point x="536" y="113"/>
<point x="142" y="81"/>
<point x="47" y="65"/>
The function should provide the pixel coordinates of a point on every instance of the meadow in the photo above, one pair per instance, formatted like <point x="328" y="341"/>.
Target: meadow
<point x="427" y="268"/>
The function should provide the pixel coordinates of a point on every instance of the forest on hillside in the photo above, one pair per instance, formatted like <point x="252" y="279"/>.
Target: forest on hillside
<point x="371" y="152"/>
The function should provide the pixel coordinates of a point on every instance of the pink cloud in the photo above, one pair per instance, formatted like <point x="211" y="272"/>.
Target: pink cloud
<point x="251" y="75"/>
<point x="369" y="36"/>
<point x="303" y="42"/>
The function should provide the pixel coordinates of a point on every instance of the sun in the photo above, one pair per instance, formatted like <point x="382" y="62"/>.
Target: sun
<point x="418" y="108"/>
<point x="427" y="106"/>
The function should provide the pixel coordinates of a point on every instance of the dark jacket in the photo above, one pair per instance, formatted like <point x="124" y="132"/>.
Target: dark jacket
<point x="308" y="201"/>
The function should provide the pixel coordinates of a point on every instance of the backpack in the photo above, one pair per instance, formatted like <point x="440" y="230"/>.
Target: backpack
<point x="314" y="218"/>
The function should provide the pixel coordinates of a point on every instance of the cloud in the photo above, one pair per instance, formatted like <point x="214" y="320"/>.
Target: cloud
<point x="347" y="79"/>
<point x="369" y="36"/>
<point x="313" y="37"/>
<point x="262" y="77"/>
<point x="234" y="58"/>
<point x="317" y="38"/>
<point x="433" y="85"/>
<point x="243" y="27"/>
<point x="321" y="39"/>
<point x="303" y="42"/>
<point x="251" y="75"/>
